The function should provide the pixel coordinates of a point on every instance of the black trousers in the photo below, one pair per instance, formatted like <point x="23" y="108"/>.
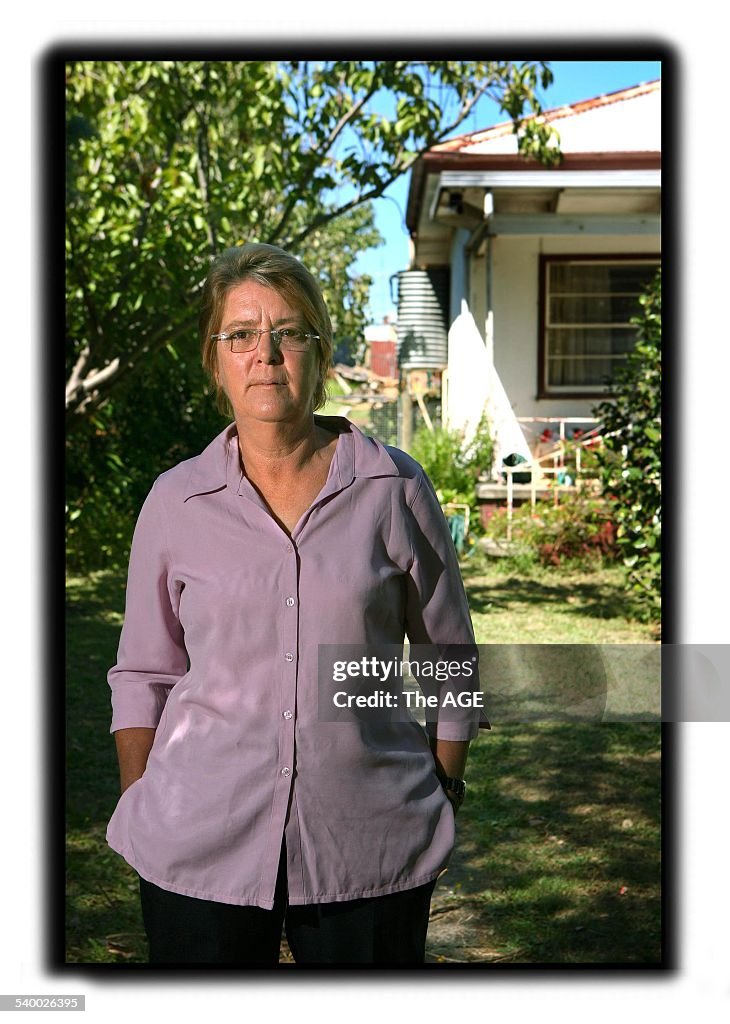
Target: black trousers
<point x="378" y="930"/>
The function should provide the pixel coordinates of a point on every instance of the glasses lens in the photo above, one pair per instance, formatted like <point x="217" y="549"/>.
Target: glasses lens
<point x="293" y="339"/>
<point x="244" y="341"/>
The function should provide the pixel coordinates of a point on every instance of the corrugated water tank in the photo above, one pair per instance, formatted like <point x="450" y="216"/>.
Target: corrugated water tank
<point x="423" y="305"/>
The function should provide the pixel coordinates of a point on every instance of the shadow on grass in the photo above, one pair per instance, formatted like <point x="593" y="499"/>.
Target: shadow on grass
<point x="596" y="600"/>
<point x="558" y="852"/>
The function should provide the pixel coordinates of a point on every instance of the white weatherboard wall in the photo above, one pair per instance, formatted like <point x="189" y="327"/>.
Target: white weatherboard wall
<point x="515" y="298"/>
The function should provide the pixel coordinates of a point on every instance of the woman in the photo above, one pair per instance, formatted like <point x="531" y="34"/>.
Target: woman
<point x="241" y="805"/>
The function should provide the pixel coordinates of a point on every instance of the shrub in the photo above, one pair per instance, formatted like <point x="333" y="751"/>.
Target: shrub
<point x="630" y="459"/>
<point x="159" y="417"/>
<point x="452" y="466"/>
<point x="577" y="532"/>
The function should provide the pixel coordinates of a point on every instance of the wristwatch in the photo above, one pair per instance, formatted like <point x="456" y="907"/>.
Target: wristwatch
<point x="455" y="786"/>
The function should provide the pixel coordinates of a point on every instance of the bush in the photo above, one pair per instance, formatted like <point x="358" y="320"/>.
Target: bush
<point x="630" y="459"/>
<point x="154" y="420"/>
<point x="578" y="532"/>
<point x="452" y="466"/>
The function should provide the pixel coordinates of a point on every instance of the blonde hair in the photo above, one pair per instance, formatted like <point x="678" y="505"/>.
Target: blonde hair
<point x="274" y="268"/>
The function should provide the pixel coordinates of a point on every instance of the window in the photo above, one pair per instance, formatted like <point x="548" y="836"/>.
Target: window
<point x="586" y="304"/>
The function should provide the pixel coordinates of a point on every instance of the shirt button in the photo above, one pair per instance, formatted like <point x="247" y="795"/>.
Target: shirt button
<point x="290" y="601"/>
<point x="289" y="656"/>
<point x="286" y="772"/>
<point x="288" y="714"/>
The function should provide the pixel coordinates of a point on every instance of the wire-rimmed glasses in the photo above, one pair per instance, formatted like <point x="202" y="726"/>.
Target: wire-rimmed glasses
<point x="286" y="339"/>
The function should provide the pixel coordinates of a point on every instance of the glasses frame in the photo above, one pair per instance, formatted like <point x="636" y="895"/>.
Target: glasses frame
<point x="276" y="338"/>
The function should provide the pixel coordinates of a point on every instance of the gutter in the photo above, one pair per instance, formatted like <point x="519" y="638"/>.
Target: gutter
<point x="435" y="163"/>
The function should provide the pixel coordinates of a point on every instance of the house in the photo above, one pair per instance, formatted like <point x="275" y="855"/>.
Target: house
<point x="547" y="261"/>
<point x="381" y="348"/>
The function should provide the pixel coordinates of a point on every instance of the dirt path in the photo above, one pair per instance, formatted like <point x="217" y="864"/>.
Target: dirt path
<point x="459" y="929"/>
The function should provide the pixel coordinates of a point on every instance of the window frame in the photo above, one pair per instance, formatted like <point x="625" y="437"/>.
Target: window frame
<point x="544" y="390"/>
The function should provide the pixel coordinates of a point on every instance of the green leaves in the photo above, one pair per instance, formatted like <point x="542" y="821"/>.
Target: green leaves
<point x="631" y="458"/>
<point x="453" y="468"/>
<point x="167" y="163"/>
<point x="170" y="161"/>
<point x="259" y="161"/>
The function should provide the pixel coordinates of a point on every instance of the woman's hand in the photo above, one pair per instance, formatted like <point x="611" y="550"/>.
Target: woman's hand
<point x="450" y="757"/>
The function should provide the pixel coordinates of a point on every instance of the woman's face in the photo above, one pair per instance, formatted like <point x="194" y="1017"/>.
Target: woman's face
<point x="265" y="384"/>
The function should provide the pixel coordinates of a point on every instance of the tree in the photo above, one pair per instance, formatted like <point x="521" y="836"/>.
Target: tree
<point x="168" y="162"/>
<point x="630" y="459"/>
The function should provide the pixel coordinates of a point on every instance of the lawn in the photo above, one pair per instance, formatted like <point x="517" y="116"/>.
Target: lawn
<point x="557" y="858"/>
<point x="539" y="605"/>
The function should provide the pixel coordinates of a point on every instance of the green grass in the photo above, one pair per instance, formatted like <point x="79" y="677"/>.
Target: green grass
<point x="104" y="924"/>
<point x="536" y="605"/>
<point x="558" y="852"/>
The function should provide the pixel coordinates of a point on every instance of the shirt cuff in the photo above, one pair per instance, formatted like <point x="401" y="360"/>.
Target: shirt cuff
<point x="459" y="732"/>
<point x="137" y="705"/>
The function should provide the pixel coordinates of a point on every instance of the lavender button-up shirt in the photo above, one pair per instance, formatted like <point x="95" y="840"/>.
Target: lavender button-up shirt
<point x="219" y="651"/>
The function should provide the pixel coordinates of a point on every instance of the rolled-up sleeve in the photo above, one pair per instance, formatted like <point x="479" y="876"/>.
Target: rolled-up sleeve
<point x="151" y="656"/>
<point x="437" y="613"/>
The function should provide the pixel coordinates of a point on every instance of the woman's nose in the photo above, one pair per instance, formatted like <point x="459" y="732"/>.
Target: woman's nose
<point x="267" y="350"/>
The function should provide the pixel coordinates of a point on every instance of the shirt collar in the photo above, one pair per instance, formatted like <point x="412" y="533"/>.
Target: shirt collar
<point x="356" y="455"/>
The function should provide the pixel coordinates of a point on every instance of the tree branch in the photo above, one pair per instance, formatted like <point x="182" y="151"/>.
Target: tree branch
<point x="91" y="392"/>
<point x="203" y="164"/>
<point x="75" y="377"/>
<point x="318" y="153"/>
<point x="202" y="172"/>
<point x="345" y="120"/>
<point x="75" y="392"/>
<point x="402" y="163"/>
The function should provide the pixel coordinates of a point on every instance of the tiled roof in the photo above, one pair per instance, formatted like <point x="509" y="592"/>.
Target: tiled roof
<point x="592" y="125"/>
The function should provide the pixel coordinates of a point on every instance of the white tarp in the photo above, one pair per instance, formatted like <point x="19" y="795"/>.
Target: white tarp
<point x="474" y="387"/>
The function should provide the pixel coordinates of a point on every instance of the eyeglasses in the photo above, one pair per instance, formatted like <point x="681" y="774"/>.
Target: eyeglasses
<point x="286" y="339"/>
